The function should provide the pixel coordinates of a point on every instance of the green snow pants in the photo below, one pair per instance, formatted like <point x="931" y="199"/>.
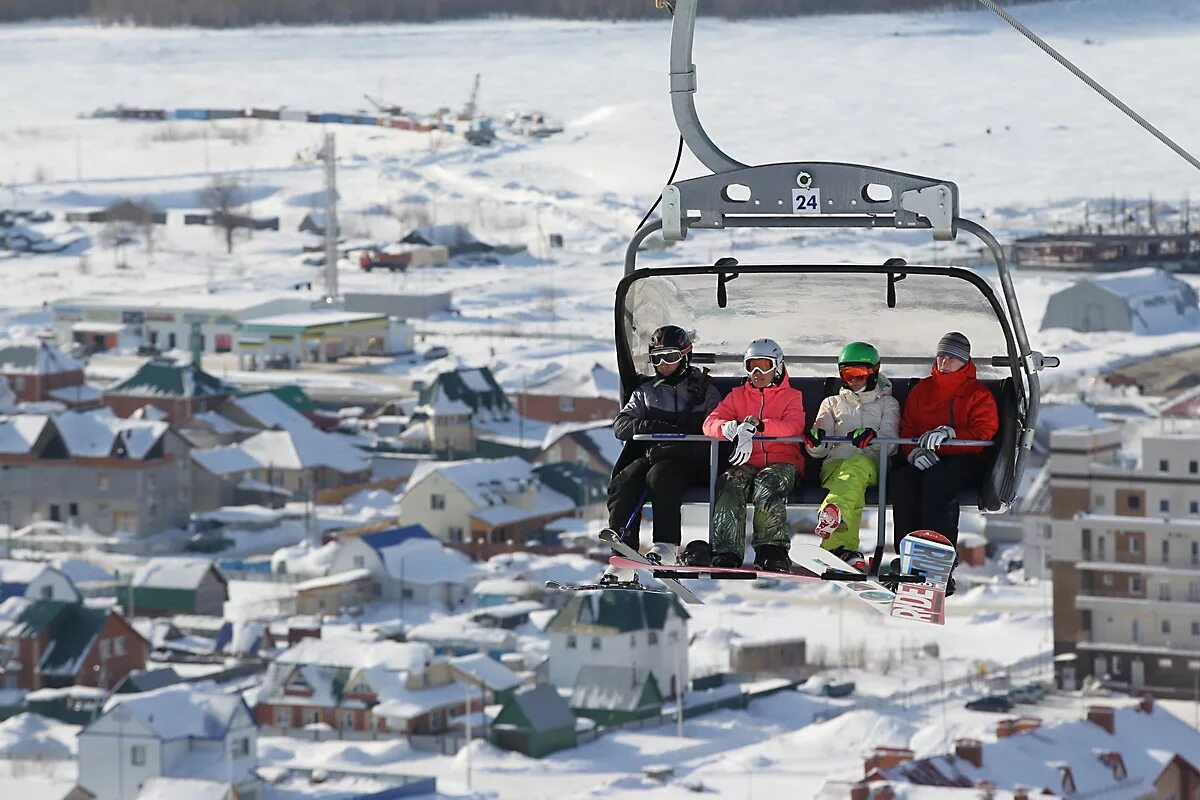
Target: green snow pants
<point x="768" y="490"/>
<point x="847" y="481"/>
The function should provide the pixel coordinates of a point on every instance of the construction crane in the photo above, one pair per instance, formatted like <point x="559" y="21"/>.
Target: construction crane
<point x="472" y="107"/>
<point x="384" y="108"/>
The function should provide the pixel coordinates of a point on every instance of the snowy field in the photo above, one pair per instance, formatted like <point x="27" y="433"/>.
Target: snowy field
<point x="952" y="95"/>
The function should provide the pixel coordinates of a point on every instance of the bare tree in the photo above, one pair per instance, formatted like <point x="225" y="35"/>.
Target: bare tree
<point x="221" y="197"/>
<point x="118" y="234"/>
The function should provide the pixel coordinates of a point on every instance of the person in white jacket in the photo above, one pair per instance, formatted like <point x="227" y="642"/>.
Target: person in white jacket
<point x="863" y="410"/>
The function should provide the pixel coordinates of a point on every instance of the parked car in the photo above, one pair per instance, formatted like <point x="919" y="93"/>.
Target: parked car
<point x="992" y="702"/>
<point x="435" y="352"/>
<point x="1024" y="694"/>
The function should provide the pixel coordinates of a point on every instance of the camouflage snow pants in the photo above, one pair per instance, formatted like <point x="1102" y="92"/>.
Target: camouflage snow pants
<point x="767" y="489"/>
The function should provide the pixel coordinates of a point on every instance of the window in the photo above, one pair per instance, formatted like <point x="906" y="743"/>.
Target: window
<point x="313" y="717"/>
<point x="1100" y="555"/>
<point x="1135" y="630"/>
<point x="137" y="755"/>
<point x="437" y="502"/>
<point x="55" y="516"/>
<point x="118" y="646"/>
<point x="19" y="383"/>
<point x="1107" y="580"/>
<point x="1166" y="549"/>
<point x="241" y="747"/>
<point x="73" y="510"/>
<point x="571" y="642"/>
<point x="1194" y="467"/>
<point x="102" y="481"/>
<point x="652" y="637"/>
<point x="1194" y="507"/>
<point x="1135" y="584"/>
<point x="1164" y="465"/>
<point x="455" y="533"/>
<point x="1164" y="591"/>
<point x="47" y="592"/>
<point x="1164" y="506"/>
<point x="1166" y="627"/>
<point x="595" y="642"/>
<point x="1099" y="501"/>
<point x="360" y="561"/>
<point x="362" y="688"/>
<point x="1135" y="543"/>
<point x="1196" y="629"/>
<point x="347" y="720"/>
<point x="104" y="649"/>
<point x="1195" y="553"/>
<point x="1133" y="501"/>
<point x="283" y="717"/>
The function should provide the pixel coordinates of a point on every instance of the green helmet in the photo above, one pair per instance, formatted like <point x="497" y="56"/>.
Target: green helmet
<point x="859" y="353"/>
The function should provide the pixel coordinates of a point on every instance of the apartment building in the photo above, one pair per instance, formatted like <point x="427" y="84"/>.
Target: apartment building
<point x="1125" y="558"/>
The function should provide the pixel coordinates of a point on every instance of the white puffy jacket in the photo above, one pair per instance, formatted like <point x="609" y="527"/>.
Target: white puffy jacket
<point x="846" y="411"/>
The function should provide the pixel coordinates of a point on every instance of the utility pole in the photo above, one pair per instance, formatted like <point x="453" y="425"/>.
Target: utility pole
<point x="331" y="224"/>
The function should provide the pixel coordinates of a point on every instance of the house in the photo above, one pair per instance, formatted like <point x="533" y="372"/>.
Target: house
<point x="39" y="372"/>
<point x="444" y="427"/>
<point x="314" y="223"/>
<point x="588" y="444"/>
<point x="568" y="396"/>
<point x="361" y="687"/>
<point x="971" y="549"/>
<point x="643" y="629"/>
<point x="1144" y="301"/>
<point x="174" y="732"/>
<point x="456" y="238"/>
<point x="113" y="475"/>
<point x="138" y="682"/>
<point x="35" y="580"/>
<point x="508" y="616"/>
<point x="585" y="487"/>
<point x="333" y="593"/>
<point x="487" y="674"/>
<point x="1134" y="752"/>
<point x="502" y="591"/>
<point x="52" y="644"/>
<point x="457" y="636"/>
<point x="474" y="387"/>
<point x="486" y="506"/>
<point x="611" y="695"/>
<point x="535" y="721"/>
<point x="162" y="587"/>
<point x="408" y="563"/>
<point x="180" y="390"/>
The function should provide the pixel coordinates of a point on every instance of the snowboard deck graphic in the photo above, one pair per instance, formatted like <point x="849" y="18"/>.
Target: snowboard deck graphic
<point x="628" y="586"/>
<point x="682" y="572"/>
<point x="931" y="555"/>
<point x="868" y="590"/>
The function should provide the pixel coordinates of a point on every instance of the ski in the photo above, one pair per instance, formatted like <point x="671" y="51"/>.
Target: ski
<point x="629" y="586"/>
<point x="824" y="563"/>
<point x="683" y="572"/>
<point x="675" y="586"/>
<point x="930" y="555"/>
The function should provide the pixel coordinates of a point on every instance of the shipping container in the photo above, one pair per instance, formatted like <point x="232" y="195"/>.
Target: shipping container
<point x="191" y="113"/>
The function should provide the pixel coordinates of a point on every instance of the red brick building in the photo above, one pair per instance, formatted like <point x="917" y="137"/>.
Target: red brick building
<point x="180" y="391"/>
<point x="40" y="372"/>
<point x="571" y="397"/>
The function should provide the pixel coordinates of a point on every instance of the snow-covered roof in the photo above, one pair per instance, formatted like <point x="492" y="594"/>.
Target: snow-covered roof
<point x="548" y="502"/>
<point x="458" y="631"/>
<point x="598" y="432"/>
<point x="19" y="434"/>
<point x="358" y="653"/>
<point x="427" y="561"/>
<point x="485" y="482"/>
<point x="227" y="460"/>
<point x="487" y="671"/>
<point x="401" y="703"/>
<point x="305" y="449"/>
<point x="94" y="434"/>
<point x="271" y="412"/>
<point x="180" y="711"/>
<point x="20" y="572"/>
<point x="312" y="319"/>
<point x="336" y="579"/>
<point x="36" y="358"/>
<point x="32" y="736"/>
<point x="598" y="381"/>
<point x="81" y="393"/>
<point x="172" y="573"/>
<point x="183" y="789"/>
<point x="609" y="687"/>
<point x="506" y="587"/>
<point x="220" y="425"/>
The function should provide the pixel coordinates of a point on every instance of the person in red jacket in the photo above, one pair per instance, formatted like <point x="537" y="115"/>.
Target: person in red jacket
<point x="949" y="404"/>
<point x="762" y="473"/>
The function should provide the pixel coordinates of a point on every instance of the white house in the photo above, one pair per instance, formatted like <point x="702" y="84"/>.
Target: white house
<point x="409" y="563"/>
<point x="35" y="580"/>
<point x="174" y="732"/>
<point x="644" y="630"/>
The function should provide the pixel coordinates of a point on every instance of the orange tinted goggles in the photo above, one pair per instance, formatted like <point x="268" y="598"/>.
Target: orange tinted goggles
<point x="854" y="372"/>
<point x="759" y="365"/>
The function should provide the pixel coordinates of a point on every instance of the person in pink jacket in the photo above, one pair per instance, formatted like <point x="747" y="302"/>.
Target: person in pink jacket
<point x="762" y="473"/>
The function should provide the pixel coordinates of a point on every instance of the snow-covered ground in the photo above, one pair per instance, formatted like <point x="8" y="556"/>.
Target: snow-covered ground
<point x="954" y="95"/>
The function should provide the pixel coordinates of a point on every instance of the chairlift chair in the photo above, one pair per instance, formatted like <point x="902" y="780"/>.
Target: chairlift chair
<point x="768" y="300"/>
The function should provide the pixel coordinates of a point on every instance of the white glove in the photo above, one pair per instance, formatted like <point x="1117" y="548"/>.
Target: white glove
<point x="922" y="459"/>
<point x="745" y="444"/>
<point x="730" y="429"/>
<point x="932" y="440"/>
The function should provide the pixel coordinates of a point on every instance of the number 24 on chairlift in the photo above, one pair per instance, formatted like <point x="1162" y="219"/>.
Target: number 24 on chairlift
<point x="806" y="201"/>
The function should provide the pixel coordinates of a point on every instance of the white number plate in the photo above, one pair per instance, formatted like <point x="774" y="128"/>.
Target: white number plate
<point x="806" y="201"/>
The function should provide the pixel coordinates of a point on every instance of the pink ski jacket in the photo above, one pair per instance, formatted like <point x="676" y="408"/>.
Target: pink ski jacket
<point x="781" y="408"/>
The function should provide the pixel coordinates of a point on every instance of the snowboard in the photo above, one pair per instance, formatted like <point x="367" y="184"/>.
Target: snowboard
<point x="629" y="586"/>
<point x="868" y="590"/>
<point x="681" y="572"/>
<point x="930" y="555"/>
<point x="628" y="552"/>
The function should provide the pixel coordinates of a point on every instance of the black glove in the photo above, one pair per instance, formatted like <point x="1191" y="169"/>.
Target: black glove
<point x="814" y="436"/>
<point x="670" y="451"/>
<point x="862" y="437"/>
<point x="655" y="426"/>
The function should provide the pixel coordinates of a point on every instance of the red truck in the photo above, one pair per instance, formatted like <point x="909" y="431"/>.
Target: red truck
<point x="395" y="262"/>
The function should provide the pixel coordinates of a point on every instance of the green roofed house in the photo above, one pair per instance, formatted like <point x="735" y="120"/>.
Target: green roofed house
<point x="163" y="587"/>
<point x="474" y="387"/>
<point x="612" y="695"/>
<point x="52" y="644"/>
<point x="180" y="391"/>
<point x="620" y="629"/>
<point x="535" y="721"/>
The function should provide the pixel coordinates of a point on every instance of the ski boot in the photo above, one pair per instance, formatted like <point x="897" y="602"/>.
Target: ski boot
<point x="697" y="554"/>
<point x="828" y="520"/>
<point x="663" y="553"/>
<point x="851" y="557"/>
<point x="772" y="558"/>
<point x="613" y="574"/>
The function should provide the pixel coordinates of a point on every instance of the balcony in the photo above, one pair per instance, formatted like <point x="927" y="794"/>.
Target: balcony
<point x="1096" y="602"/>
<point x="1177" y="568"/>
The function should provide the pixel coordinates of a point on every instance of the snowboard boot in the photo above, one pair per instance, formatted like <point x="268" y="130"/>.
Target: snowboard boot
<point x="730" y="560"/>
<point x="697" y="554"/>
<point x="772" y="558"/>
<point x="887" y="570"/>
<point x="663" y="553"/>
<point x="614" y="575"/>
<point x="628" y="538"/>
<point x="851" y="557"/>
<point x="828" y="520"/>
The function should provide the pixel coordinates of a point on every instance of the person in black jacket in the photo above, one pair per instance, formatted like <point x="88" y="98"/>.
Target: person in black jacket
<point x="676" y="399"/>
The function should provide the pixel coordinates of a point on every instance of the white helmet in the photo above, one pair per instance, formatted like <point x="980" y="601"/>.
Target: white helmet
<point x="760" y="349"/>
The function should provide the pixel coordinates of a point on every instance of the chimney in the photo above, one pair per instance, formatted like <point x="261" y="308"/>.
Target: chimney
<point x="1026" y="724"/>
<point x="886" y="758"/>
<point x="1146" y="704"/>
<point x="1104" y="716"/>
<point x="1020" y="793"/>
<point x="860" y="791"/>
<point x="1006" y="728"/>
<point x="969" y="750"/>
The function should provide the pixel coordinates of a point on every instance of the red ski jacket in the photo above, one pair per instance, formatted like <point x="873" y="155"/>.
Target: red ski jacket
<point x="781" y="408"/>
<point x="957" y="399"/>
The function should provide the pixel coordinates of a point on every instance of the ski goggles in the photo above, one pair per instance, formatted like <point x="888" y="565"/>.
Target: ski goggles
<point x="666" y="357"/>
<point x="764" y="365"/>
<point x="853" y="372"/>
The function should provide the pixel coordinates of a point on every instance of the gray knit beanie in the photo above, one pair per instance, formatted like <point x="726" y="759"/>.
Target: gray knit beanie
<point x="955" y="345"/>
